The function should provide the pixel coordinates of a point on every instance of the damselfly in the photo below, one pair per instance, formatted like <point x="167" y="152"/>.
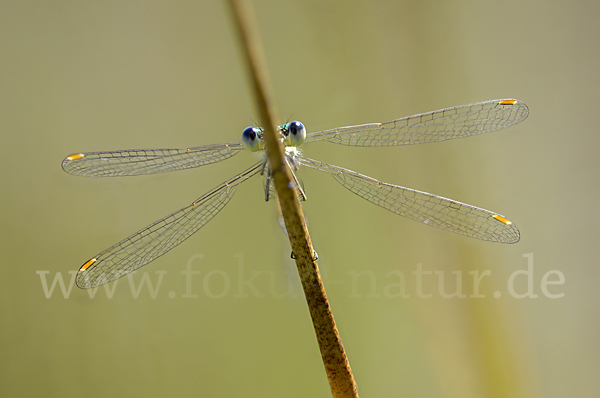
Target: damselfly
<point x="161" y="236"/>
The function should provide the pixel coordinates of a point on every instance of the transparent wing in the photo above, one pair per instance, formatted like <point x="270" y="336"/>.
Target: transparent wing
<point x="159" y="237"/>
<point x="146" y="161"/>
<point x="429" y="209"/>
<point x="444" y="124"/>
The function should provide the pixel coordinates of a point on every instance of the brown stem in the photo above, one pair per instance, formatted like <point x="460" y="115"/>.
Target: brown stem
<point x="336" y="363"/>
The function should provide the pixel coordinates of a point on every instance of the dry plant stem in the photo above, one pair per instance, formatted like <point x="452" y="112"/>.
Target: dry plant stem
<point x="336" y="363"/>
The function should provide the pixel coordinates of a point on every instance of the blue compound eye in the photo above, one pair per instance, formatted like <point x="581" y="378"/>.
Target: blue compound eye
<point x="296" y="133"/>
<point x="252" y="138"/>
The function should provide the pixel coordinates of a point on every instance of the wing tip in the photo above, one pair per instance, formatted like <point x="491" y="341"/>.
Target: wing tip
<point x="68" y="161"/>
<point x="512" y="102"/>
<point x="74" y="156"/>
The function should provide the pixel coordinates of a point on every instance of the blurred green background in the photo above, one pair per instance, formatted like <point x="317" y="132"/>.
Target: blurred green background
<point x="86" y="76"/>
